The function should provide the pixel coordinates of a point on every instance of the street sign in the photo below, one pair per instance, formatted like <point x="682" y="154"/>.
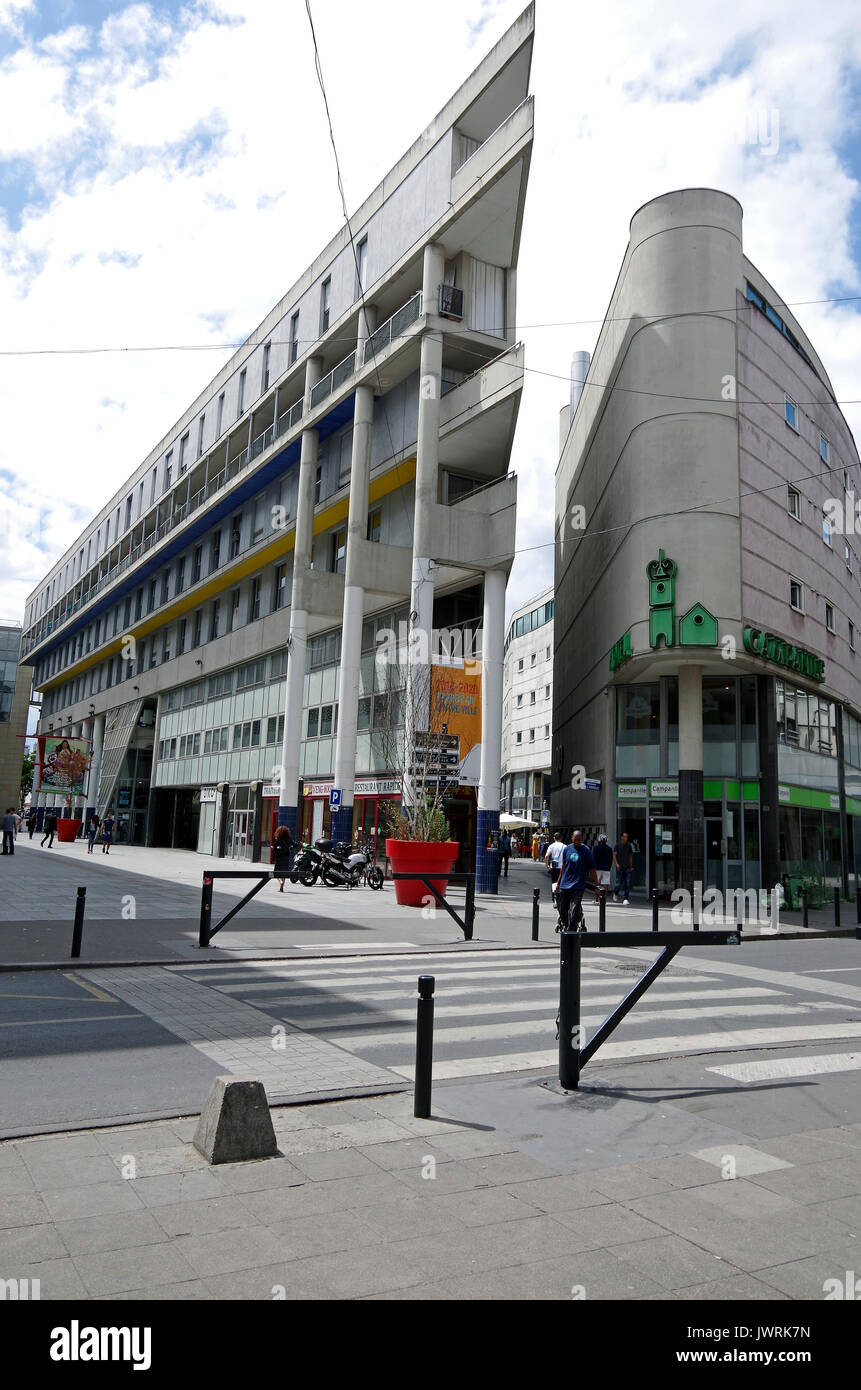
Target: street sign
<point x="335" y="799"/>
<point x="590" y="785"/>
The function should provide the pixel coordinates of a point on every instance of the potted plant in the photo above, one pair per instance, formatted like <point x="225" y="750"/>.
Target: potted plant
<point x="418" y="836"/>
<point x="418" y="841"/>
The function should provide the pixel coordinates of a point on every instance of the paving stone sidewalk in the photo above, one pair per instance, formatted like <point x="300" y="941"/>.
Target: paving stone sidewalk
<point x="366" y="1202"/>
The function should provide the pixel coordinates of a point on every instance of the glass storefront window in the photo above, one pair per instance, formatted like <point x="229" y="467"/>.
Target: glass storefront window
<point x="638" y="730"/>
<point x="719" y="731"/>
<point x="752" y="861"/>
<point x="749" y="760"/>
<point x="833" y="855"/>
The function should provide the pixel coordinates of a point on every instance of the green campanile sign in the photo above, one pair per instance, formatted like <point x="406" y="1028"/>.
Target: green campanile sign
<point x="696" y="628"/>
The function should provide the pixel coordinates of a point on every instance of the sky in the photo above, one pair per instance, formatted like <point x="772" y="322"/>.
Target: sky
<point x="166" y="175"/>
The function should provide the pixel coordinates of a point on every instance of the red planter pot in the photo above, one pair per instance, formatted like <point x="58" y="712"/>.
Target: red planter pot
<point x="420" y="857"/>
<point x="67" y="829"/>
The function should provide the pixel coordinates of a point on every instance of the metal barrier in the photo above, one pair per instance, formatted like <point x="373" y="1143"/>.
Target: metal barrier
<point x="466" y="922"/>
<point x="572" y="1055"/>
<point x="207" y="930"/>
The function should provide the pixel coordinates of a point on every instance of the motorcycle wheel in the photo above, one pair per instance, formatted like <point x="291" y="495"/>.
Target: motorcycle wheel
<point x="309" y="878"/>
<point x="329" y="879"/>
<point x="294" y="877"/>
<point x="375" y="878"/>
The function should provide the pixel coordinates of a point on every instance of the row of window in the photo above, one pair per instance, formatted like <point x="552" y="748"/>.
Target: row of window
<point x="796" y="601"/>
<point x="245" y="735"/>
<point x="518" y="737"/>
<point x="528" y="622"/>
<point x="101" y="540"/>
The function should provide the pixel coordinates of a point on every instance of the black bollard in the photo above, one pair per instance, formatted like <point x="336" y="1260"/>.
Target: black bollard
<point x="569" y="1011"/>
<point x="602" y="910"/>
<point x="78" y="930"/>
<point x="536" y="895"/>
<point x="424" y="1048"/>
<point x="837" y="907"/>
<point x="804" y="921"/>
<point x="205" y="911"/>
<point x="654" y="909"/>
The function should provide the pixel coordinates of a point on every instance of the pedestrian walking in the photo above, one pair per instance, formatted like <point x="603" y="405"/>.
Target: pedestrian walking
<point x="505" y="851"/>
<point x="92" y="832"/>
<point x="553" y="859"/>
<point x="107" y="832"/>
<point x="32" y="821"/>
<point x="578" y="865"/>
<point x="603" y="856"/>
<point x="623" y="858"/>
<point x="49" y="826"/>
<point x="282" y="846"/>
<point x="10" y="830"/>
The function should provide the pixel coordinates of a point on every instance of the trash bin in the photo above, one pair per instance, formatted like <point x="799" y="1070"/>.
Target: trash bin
<point x="792" y="886"/>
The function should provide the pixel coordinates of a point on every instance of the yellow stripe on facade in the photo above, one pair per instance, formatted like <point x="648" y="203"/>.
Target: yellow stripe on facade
<point x="273" y="551"/>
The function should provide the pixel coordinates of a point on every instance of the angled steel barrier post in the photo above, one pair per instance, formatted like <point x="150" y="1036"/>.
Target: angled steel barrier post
<point x="207" y="930"/>
<point x="467" y="921"/>
<point x="205" y="911"/>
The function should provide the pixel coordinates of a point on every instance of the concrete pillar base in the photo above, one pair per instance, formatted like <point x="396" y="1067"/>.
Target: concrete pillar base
<point x="691" y="843"/>
<point x="486" y="860"/>
<point x="342" y="825"/>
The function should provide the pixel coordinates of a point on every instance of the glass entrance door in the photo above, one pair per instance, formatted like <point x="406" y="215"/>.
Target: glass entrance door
<point x="714" y="855"/>
<point x="663" y="853"/>
<point x="240" y="835"/>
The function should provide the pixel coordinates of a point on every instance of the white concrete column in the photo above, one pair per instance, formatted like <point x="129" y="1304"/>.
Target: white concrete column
<point x="354" y="603"/>
<point x="96" y="761"/>
<point x="492" y="642"/>
<point x="288" y="807"/>
<point x="420" y="637"/>
<point x="690" y="718"/>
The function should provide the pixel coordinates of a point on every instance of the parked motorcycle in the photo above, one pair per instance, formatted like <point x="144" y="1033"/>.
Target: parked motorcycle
<point x="344" y="866"/>
<point x="308" y="864"/>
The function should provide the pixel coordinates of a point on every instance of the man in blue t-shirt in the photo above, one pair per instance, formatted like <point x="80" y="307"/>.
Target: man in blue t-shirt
<point x="577" y="864"/>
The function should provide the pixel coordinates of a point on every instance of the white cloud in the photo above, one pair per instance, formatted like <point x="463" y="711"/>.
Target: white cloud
<point x="176" y="180"/>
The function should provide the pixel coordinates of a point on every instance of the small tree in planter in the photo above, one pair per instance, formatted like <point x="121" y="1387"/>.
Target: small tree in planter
<point x="418" y="836"/>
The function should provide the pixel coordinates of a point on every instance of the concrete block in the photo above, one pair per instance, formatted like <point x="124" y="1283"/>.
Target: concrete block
<point x="235" y="1124"/>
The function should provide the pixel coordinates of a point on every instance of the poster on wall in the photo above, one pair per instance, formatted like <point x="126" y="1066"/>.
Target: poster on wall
<point x="63" y="764"/>
<point x="456" y="710"/>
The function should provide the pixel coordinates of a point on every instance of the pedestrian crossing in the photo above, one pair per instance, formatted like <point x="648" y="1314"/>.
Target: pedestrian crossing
<point x="495" y="1011"/>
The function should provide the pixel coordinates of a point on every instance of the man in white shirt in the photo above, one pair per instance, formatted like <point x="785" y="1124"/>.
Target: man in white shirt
<point x="553" y="860"/>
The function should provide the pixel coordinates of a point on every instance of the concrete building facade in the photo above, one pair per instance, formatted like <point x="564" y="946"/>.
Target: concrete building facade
<point x="527" y="708"/>
<point x="14" y="709"/>
<point x="215" y="630"/>
<point x="707" y="589"/>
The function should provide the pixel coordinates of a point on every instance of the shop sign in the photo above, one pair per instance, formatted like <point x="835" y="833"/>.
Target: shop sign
<point x="208" y="794"/>
<point x="378" y="786"/>
<point x="772" y="648"/>
<point x="318" y="788"/>
<point x="632" y="791"/>
<point x="667" y="790"/>
<point x="271" y="789"/>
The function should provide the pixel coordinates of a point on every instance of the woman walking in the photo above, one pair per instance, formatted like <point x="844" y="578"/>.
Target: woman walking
<point x="92" y="832"/>
<point x="282" y="846"/>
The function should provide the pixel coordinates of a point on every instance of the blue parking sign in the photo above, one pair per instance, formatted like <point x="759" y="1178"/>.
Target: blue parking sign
<point x="335" y="799"/>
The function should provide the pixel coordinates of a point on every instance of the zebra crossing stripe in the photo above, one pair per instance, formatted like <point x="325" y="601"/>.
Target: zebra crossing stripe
<point x="540" y="996"/>
<point x="773" y="1069"/>
<point x="637" y="1048"/>
<point x="398" y="1037"/>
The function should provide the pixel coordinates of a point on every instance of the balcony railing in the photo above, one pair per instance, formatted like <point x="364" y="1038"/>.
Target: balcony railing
<point x="329" y="383"/>
<point x="393" y="327"/>
<point x="287" y="421"/>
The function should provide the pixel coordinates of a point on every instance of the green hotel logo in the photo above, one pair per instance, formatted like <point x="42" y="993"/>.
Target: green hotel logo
<point x="772" y="648"/>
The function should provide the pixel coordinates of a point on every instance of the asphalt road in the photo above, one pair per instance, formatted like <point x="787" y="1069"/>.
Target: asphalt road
<point x="75" y="1050"/>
